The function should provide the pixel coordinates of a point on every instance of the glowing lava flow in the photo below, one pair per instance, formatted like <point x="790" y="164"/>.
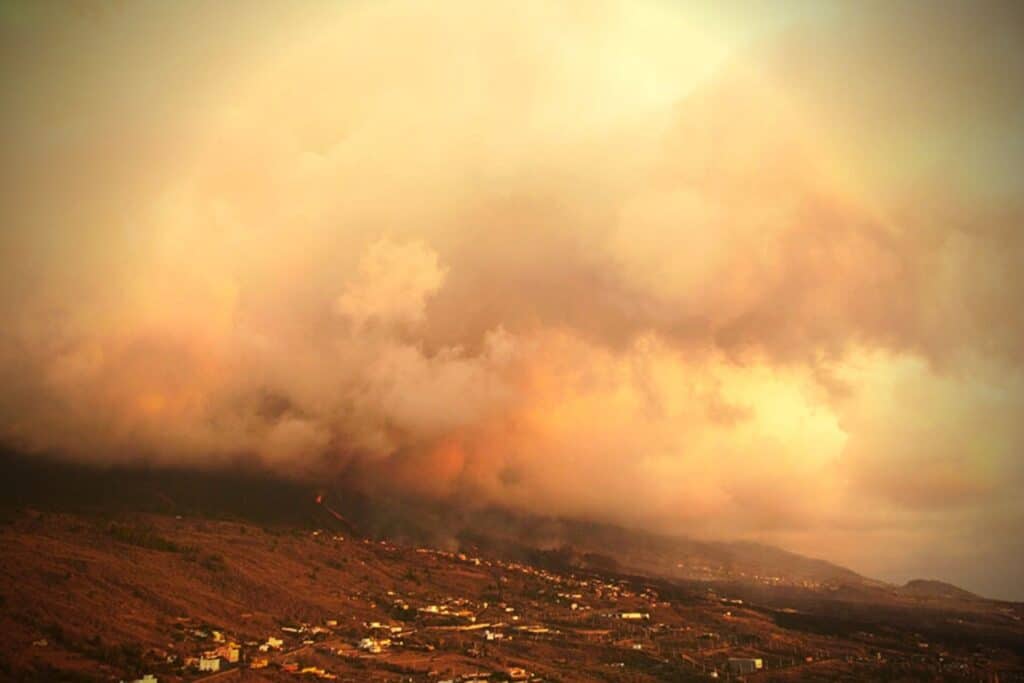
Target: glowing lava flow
<point x="320" y="501"/>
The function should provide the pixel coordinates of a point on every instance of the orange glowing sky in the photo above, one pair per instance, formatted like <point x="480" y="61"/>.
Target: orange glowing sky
<point x="733" y="270"/>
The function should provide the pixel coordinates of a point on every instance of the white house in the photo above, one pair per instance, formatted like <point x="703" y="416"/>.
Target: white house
<point x="209" y="663"/>
<point x="634" y="616"/>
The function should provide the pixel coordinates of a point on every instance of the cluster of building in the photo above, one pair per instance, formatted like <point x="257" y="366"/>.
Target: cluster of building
<point x="212" y="660"/>
<point x="628" y="615"/>
<point x="221" y="652"/>
<point x="514" y="673"/>
<point x="382" y="636"/>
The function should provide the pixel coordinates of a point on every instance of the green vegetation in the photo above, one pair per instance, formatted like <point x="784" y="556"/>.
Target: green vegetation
<point x="212" y="561"/>
<point x="144" y="537"/>
<point x="44" y="671"/>
<point x="55" y="632"/>
<point x="121" y="656"/>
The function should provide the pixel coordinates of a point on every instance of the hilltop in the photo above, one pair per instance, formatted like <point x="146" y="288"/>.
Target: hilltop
<point x="939" y="590"/>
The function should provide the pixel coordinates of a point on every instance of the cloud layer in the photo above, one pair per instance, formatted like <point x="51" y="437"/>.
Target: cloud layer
<point x="705" y="271"/>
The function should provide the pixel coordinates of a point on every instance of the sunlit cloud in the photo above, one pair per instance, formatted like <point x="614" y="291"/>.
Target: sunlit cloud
<point x="745" y="274"/>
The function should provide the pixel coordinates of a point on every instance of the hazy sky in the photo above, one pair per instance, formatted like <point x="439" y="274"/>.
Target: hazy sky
<point x="734" y="270"/>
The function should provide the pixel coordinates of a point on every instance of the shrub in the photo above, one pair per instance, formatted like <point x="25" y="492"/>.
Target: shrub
<point x="144" y="537"/>
<point x="213" y="562"/>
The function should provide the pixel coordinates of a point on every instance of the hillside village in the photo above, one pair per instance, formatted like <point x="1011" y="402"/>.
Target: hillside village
<point x="180" y="599"/>
<point x="467" y="624"/>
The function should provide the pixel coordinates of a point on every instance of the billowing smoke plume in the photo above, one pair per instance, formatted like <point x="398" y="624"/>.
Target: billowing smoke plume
<point x="695" y="270"/>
